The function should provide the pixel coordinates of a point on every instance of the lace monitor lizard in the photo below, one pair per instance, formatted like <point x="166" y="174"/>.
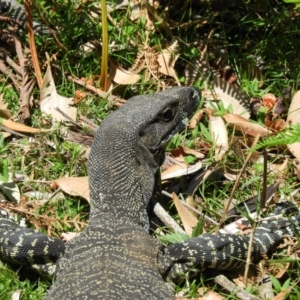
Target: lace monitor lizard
<point x="115" y="257"/>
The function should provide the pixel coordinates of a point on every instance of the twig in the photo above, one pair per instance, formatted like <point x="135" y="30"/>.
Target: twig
<point x="263" y="199"/>
<point x="249" y="253"/>
<point x="12" y="64"/>
<point x="92" y="126"/>
<point x="9" y="74"/>
<point x="114" y="99"/>
<point x="166" y="218"/>
<point x="238" y="180"/>
<point x="234" y="289"/>
<point x="36" y="66"/>
<point x="12" y="131"/>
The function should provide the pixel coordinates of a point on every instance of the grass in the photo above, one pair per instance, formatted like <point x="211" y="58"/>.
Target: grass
<point x="256" y="40"/>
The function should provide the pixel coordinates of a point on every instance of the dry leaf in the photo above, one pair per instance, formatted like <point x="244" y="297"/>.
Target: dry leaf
<point x="79" y="95"/>
<point x="182" y="151"/>
<point x="245" y="126"/>
<point x="75" y="186"/>
<point x="121" y="76"/>
<point x="189" y="221"/>
<point x="282" y="295"/>
<point x="220" y="137"/>
<point x="296" y="164"/>
<point x="21" y="127"/>
<point x="196" y="119"/>
<point x="4" y="112"/>
<point x="180" y="170"/>
<point x="276" y="125"/>
<point x="211" y="295"/>
<point x="87" y="80"/>
<point x="167" y="58"/>
<point x="292" y="119"/>
<point x="51" y="100"/>
<point x="5" y="134"/>
<point x="269" y="101"/>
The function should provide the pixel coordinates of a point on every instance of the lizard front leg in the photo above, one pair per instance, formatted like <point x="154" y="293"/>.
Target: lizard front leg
<point x="225" y="251"/>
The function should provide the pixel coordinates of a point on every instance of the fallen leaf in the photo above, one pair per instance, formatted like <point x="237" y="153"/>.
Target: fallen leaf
<point x="276" y="125"/>
<point x="189" y="221"/>
<point x="79" y="95"/>
<point x="196" y="119"/>
<point x="121" y="76"/>
<point x="4" y="112"/>
<point x="180" y="170"/>
<point x="193" y="152"/>
<point x="268" y="101"/>
<point x="75" y="186"/>
<point x="282" y="295"/>
<point x="167" y="58"/>
<point x="292" y="119"/>
<point x="212" y="295"/>
<point x="245" y="126"/>
<point x="219" y="135"/>
<point x="296" y="164"/>
<point x="5" y="134"/>
<point x="182" y="151"/>
<point x="51" y="100"/>
<point x="21" y="127"/>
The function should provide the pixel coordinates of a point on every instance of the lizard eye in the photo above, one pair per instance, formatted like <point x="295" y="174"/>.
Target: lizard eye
<point x="167" y="115"/>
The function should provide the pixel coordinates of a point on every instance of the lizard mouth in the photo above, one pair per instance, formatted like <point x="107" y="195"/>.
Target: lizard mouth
<point x="176" y="129"/>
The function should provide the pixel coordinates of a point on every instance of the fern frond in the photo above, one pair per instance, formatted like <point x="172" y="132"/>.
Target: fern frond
<point x="289" y="136"/>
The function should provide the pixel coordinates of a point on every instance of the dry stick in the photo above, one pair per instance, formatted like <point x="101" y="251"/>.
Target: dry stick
<point x="36" y="66"/>
<point x="163" y="215"/>
<point x="102" y="94"/>
<point x="238" y="179"/>
<point x="92" y="126"/>
<point x="9" y="74"/>
<point x="12" y="131"/>
<point x="249" y="253"/>
<point x="263" y="199"/>
<point x="12" y="64"/>
<point x="232" y="288"/>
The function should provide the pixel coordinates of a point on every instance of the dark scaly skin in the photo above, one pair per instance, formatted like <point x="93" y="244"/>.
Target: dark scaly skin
<point x="114" y="257"/>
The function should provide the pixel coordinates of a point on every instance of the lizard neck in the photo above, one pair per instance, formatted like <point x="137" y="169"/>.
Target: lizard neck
<point x="121" y="180"/>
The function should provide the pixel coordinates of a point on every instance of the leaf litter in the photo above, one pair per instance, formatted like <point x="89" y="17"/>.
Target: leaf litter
<point x="162" y="67"/>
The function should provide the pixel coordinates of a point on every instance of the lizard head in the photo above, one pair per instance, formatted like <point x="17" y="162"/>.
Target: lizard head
<point x="129" y="148"/>
<point x="167" y="113"/>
